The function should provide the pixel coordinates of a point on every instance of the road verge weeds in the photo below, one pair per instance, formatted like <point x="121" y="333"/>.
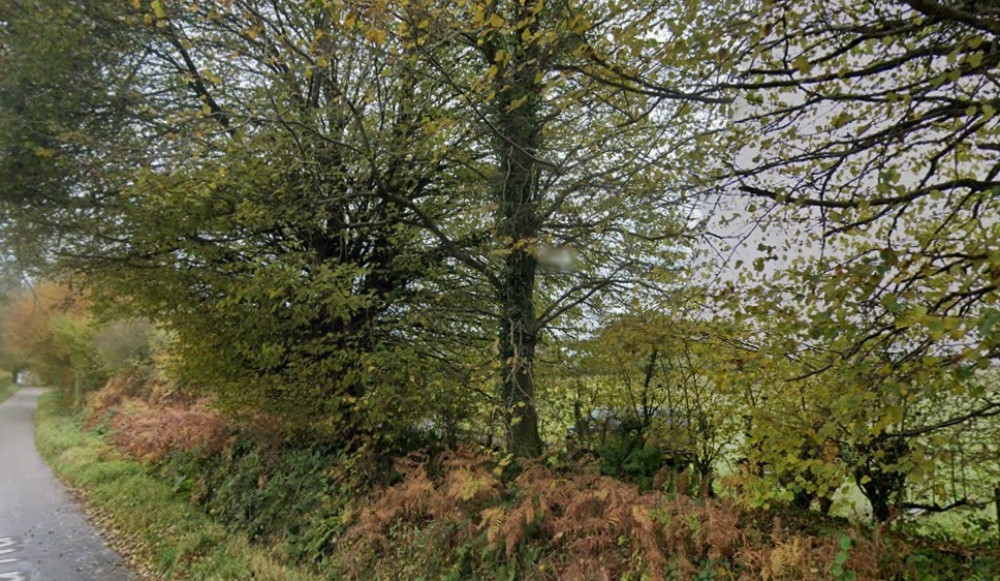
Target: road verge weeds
<point x="7" y="385"/>
<point x="165" y="536"/>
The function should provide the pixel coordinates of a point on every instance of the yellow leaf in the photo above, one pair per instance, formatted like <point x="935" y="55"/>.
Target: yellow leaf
<point x="841" y="119"/>
<point x="376" y="35"/>
<point x="496" y="21"/>
<point x="802" y="64"/>
<point x="479" y="16"/>
<point x="579" y="24"/>
<point x="517" y="103"/>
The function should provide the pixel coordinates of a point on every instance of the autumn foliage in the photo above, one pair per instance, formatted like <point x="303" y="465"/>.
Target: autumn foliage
<point x="572" y="523"/>
<point x="675" y="239"/>
<point x="148" y="421"/>
<point x="472" y="512"/>
<point x="40" y="330"/>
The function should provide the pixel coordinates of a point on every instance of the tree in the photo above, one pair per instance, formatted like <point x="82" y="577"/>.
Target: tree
<point x="873" y="172"/>
<point x="65" y="77"/>
<point x="343" y="203"/>
<point x="666" y="373"/>
<point x="267" y="221"/>
<point x="49" y="331"/>
<point x="584" y="165"/>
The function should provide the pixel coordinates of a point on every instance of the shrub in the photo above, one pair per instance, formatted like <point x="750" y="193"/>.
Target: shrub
<point x="123" y="344"/>
<point x="150" y="433"/>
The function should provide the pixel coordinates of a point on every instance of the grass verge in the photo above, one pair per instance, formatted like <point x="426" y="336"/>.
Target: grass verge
<point x="163" y="533"/>
<point x="7" y="386"/>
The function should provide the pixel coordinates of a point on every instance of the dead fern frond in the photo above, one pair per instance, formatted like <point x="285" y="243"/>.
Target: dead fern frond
<point x="493" y="520"/>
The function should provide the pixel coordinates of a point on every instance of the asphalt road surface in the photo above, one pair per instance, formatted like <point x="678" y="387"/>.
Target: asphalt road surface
<point x="43" y="534"/>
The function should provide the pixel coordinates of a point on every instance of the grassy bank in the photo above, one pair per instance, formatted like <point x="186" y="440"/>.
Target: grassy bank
<point x="145" y="517"/>
<point x="7" y="386"/>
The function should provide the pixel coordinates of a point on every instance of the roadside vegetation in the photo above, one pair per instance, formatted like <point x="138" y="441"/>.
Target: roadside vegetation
<point x="159" y="531"/>
<point x="7" y="385"/>
<point x="530" y="289"/>
<point x="191" y="496"/>
<point x="192" y="493"/>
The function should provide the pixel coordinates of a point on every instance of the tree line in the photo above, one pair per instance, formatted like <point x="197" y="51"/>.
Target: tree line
<point x="364" y="216"/>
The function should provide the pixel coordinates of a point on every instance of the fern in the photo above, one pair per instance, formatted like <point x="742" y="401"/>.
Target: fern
<point x="565" y="524"/>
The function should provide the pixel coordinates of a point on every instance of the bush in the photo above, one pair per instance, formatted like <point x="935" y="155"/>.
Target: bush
<point x="7" y="386"/>
<point x="142" y="513"/>
<point x="123" y="344"/>
<point x="631" y="450"/>
<point x="285" y="497"/>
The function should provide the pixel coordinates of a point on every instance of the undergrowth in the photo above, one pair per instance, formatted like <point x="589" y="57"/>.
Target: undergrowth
<point x="168" y="535"/>
<point x="286" y="498"/>
<point x="569" y="523"/>
<point x="454" y="517"/>
<point x="464" y="513"/>
<point x="7" y="385"/>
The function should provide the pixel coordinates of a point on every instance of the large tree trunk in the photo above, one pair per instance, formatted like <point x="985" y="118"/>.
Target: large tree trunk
<point x="519" y="136"/>
<point x="518" y="337"/>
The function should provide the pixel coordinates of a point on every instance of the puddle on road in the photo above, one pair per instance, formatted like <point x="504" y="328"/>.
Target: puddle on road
<point x="9" y="546"/>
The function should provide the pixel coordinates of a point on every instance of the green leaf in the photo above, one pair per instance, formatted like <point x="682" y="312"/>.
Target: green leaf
<point x="987" y="322"/>
<point x="891" y="303"/>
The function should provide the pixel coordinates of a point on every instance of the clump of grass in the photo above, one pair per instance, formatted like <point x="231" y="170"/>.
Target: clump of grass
<point x="158" y="527"/>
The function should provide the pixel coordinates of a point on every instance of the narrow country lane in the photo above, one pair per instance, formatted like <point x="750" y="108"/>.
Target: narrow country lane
<point x="43" y="535"/>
